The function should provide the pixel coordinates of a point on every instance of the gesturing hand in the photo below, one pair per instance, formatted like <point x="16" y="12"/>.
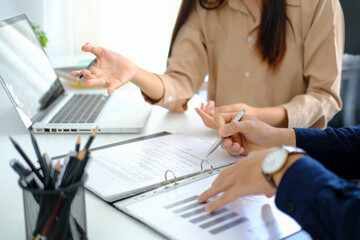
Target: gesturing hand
<point x="111" y="70"/>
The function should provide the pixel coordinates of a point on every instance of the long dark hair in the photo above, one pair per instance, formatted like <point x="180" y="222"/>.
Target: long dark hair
<point x="271" y="40"/>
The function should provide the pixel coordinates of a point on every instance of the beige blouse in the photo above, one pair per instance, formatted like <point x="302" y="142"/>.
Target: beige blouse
<point x="221" y="42"/>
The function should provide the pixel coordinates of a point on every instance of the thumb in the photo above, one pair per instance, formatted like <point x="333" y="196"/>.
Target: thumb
<point x="233" y="128"/>
<point x="94" y="49"/>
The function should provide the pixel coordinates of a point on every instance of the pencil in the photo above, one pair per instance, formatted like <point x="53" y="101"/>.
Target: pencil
<point x="91" y="138"/>
<point x="28" y="161"/>
<point x="56" y="173"/>
<point x="77" y="146"/>
<point x="83" y="165"/>
<point x="77" y="169"/>
<point x="47" y="159"/>
<point x="82" y="154"/>
<point x="68" y="171"/>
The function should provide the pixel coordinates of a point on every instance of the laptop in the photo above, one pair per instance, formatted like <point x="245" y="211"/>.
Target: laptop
<point x="40" y="98"/>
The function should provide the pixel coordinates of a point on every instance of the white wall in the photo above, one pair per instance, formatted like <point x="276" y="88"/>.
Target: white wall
<point x="139" y="29"/>
<point x="33" y="9"/>
<point x="69" y="24"/>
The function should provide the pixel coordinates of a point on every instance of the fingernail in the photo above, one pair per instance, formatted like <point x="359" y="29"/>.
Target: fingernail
<point x="208" y="209"/>
<point x="223" y="131"/>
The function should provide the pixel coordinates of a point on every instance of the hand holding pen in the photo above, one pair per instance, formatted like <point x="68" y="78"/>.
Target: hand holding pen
<point x="218" y="141"/>
<point x="92" y="63"/>
<point x="112" y="69"/>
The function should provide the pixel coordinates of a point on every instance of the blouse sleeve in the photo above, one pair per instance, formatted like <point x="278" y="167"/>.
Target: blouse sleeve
<point x="187" y="66"/>
<point x="323" y="41"/>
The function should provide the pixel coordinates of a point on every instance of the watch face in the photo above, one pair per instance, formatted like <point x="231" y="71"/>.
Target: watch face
<point x="274" y="161"/>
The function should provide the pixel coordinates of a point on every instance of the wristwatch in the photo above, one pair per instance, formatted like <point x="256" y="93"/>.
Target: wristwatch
<point x="276" y="160"/>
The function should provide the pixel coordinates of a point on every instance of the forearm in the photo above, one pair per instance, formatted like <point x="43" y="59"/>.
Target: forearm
<point x="285" y="136"/>
<point x="149" y="83"/>
<point x="324" y="205"/>
<point x="337" y="149"/>
<point x="274" y="116"/>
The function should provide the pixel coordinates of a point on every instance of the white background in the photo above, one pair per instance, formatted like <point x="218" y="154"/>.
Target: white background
<point x="138" y="29"/>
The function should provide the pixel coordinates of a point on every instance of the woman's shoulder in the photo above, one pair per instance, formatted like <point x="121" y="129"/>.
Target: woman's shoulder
<point x="310" y="10"/>
<point x="316" y="5"/>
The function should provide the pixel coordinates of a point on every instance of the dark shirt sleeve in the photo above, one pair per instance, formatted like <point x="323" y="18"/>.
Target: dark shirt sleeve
<point x="326" y="206"/>
<point x="337" y="149"/>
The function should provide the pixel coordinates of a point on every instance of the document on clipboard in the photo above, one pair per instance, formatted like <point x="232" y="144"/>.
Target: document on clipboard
<point x="125" y="169"/>
<point x="173" y="211"/>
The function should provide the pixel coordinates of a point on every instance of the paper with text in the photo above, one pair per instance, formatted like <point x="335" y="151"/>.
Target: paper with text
<point x="120" y="171"/>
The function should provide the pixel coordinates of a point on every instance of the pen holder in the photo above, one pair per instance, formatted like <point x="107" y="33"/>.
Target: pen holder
<point x="55" y="213"/>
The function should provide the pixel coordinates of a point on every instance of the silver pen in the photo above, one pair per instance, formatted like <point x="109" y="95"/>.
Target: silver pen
<point x="219" y="139"/>
<point x="88" y="67"/>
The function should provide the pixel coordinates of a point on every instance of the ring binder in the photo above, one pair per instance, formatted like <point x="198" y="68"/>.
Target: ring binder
<point x="162" y="151"/>
<point x="158" y="209"/>
<point x="211" y="166"/>
<point x="166" y="179"/>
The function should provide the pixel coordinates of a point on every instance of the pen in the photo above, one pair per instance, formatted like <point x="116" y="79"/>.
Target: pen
<point x="219" y="139"/>
<point x="26" y="175"/>
<point x="44" y="166"/>
<point x="88" y="67"/>
<point x="19" y="168"/>
<point x="26" y="159"/>
<point x="50" y="170"/>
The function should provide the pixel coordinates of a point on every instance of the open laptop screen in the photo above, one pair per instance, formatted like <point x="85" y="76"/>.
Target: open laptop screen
<point x="25" y="69"/>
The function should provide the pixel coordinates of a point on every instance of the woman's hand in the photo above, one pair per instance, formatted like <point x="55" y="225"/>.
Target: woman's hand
<point x="111" y="70"/>
<point x="208" y="111"/>
<point x="275" y="116"/>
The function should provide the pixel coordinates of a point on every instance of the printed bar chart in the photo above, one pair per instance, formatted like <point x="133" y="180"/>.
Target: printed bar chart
<point x="177" y="214"/>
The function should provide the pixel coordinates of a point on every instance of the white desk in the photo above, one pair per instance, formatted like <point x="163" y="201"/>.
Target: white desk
<point x="103" y="220"/>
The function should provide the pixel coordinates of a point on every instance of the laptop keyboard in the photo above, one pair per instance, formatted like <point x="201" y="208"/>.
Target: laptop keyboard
<point x="81" y="108"/>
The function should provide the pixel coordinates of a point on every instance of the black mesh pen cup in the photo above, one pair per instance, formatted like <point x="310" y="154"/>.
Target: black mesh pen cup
<point x="55" y="213"/>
